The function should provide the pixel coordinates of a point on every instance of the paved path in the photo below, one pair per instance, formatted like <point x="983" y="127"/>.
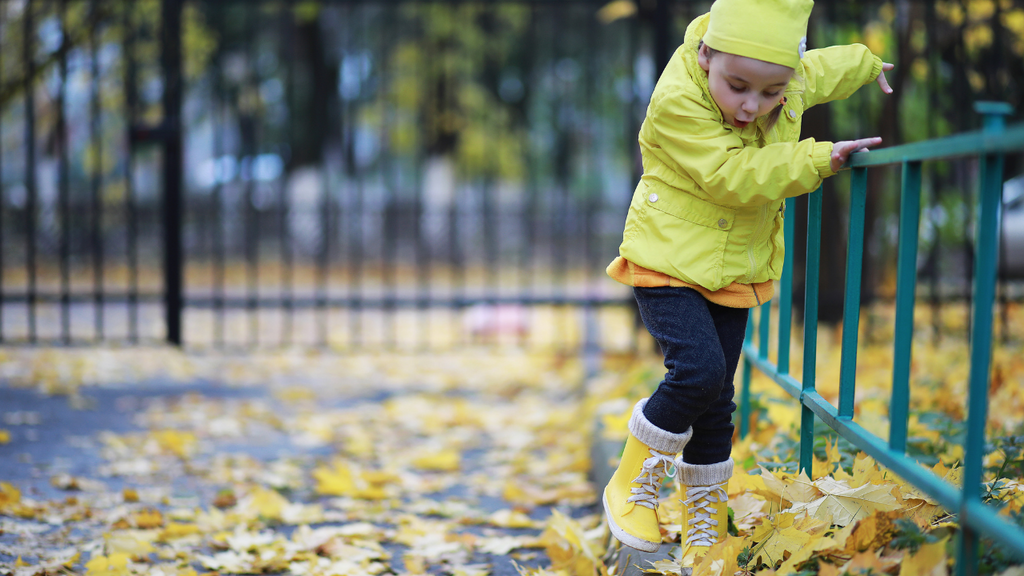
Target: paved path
<point x="408" y="464"/>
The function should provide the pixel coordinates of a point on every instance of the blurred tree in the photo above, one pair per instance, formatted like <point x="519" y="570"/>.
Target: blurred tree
<point x="454" y="93"/>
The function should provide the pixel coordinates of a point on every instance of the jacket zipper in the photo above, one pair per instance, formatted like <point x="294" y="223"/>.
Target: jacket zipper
<point x="757" y="234"/>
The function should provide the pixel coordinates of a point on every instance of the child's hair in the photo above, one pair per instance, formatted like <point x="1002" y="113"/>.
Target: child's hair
<point x="773" y="116"/>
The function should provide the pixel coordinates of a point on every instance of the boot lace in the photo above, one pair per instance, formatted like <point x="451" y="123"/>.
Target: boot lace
<point x="652" y="473"/>
<point x="700" y="501"/>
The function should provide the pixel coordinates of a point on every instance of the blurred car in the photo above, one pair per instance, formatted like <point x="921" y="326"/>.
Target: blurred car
<point x="1011" y="263"/>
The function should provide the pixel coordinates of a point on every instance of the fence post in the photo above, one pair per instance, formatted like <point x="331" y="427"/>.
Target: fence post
<point x="989" y="199"/>
<point x="170" y="44"/>
<point x="811" y="278"/>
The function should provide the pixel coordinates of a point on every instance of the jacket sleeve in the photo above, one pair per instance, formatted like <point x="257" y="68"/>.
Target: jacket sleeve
<point x="686" y="138"/>
<point x="836" y="72"/>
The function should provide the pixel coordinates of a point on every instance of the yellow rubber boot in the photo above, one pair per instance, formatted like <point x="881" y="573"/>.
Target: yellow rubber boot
<point x="631" y="497"/>
<point x="705" y="508"/>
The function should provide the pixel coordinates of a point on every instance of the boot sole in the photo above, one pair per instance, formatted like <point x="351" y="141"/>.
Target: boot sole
<point x="623" y="536"/>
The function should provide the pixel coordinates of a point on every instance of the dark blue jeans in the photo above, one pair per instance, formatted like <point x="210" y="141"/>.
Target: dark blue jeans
<point x="701" y="342"/>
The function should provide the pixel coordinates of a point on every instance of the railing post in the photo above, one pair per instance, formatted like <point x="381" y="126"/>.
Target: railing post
<point x="906" y="285"/>
<point x="989" y="199"/>
<point x="811" y="275"/>
<point x="851" y="300"/>
<point x="170" y="42"/>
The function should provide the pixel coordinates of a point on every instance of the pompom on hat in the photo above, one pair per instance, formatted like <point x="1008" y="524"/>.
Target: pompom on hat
<point x="770" y="30"/>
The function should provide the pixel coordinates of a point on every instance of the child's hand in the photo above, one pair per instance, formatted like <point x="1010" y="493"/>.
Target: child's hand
<point x="841" y="150"/>
<point x="882" y="82"/>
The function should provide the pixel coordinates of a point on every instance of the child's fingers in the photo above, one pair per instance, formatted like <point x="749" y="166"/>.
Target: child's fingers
<point x="883" y="83"/>
<point x="886" y="66"/>
<point x="863" y="143"/>
<point x="841" y="150"/>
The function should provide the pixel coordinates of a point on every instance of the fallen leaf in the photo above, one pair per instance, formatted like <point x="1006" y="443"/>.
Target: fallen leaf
<point x="864" y="563"/>
<point x="132" y="542"/>
<point x="929" y="560"/>
<point x="842" y="505"/>
<point x="141" y="519"/>
<point x="9" y="494"/>
<point x="805" y="553"/>
<point x="439" y="461"/>
<point x="263" y="503"/>
<point x="341" y="480"/>
<point x="720" y="559"/>
<point x="181" y="444"/>
<point x="873" y="531"/>
<point x="747" y="509"/>
<point x="113" y="565"/>
<point x="785" y="494"/>
<point x="777" y="538"/>
<point x="568" y="546"/>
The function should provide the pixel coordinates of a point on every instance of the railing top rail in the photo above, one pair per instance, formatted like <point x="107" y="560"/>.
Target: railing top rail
<point x="968" y="143"/>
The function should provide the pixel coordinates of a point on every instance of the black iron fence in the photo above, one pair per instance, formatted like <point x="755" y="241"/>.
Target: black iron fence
<point x="359" y="174"/>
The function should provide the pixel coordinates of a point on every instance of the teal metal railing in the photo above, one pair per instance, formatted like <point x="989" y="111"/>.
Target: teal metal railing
<point x="976" y="518"/>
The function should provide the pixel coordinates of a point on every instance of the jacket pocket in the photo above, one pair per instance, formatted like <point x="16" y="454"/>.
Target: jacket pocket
<point x="695" y="233"/>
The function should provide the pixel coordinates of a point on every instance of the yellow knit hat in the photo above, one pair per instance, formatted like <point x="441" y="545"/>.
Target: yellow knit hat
<point x="770" y="30"/>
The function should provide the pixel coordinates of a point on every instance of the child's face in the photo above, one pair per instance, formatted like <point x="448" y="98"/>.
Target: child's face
<point x="743" y="88"/>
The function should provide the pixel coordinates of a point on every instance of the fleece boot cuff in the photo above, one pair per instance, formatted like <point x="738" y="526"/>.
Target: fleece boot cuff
<point x="705" y="474"/>
<point x="654" y="437"/>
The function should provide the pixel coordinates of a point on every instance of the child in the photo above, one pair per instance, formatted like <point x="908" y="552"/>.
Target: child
<point x="703" y="241"/>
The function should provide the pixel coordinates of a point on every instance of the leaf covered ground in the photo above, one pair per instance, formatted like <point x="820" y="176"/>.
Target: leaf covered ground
<point x="850" y="516"/>
<point x="289" y="463"/>
<point x="150" y="461"/>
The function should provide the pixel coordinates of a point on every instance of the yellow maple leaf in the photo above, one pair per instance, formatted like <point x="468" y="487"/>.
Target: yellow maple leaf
<point x="143" y="519"/>
<point x="506" y="518"/>
<point x="954" y="475"/>
<point x="864" y="563"/>
<point x="176" y="530"/>
<point x="740" y="483"/>
<point x="720" y="559"/>
<point x="132" y="542"/>
<point x="831" y="462"/>
<point x="181" y="444"/>
<point x="440" y="461"/>
<point x="568" y="546"/>
<point x="113" y="565"/>
<point x="929" y="560"/>
<point x="264" y="503"/>
<point x="866" y="471"/>
<point x="5" y="436"/>
<point x="778" y="537"/>
<point x="341" y="480"/>
<point x="747" y="510"/>
<point x="805" y="553"/>
<point x="784" y="494"/>
<point x="872" y="532"/>
<point x="9" y="494"/>
<point x="1011" y="493"/>
<point x="842" y="505"/>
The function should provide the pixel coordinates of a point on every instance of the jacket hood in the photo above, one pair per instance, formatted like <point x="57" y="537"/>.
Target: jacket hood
<point x="688" y="52"/>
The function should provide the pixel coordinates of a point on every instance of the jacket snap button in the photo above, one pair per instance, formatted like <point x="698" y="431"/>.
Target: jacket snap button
<point x="792" y="113"/>
<point x="722" y="223"/>
<point x="653" y="197"/>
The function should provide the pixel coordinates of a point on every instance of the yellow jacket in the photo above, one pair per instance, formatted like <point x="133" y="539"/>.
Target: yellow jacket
<point x="709" y="207"/>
